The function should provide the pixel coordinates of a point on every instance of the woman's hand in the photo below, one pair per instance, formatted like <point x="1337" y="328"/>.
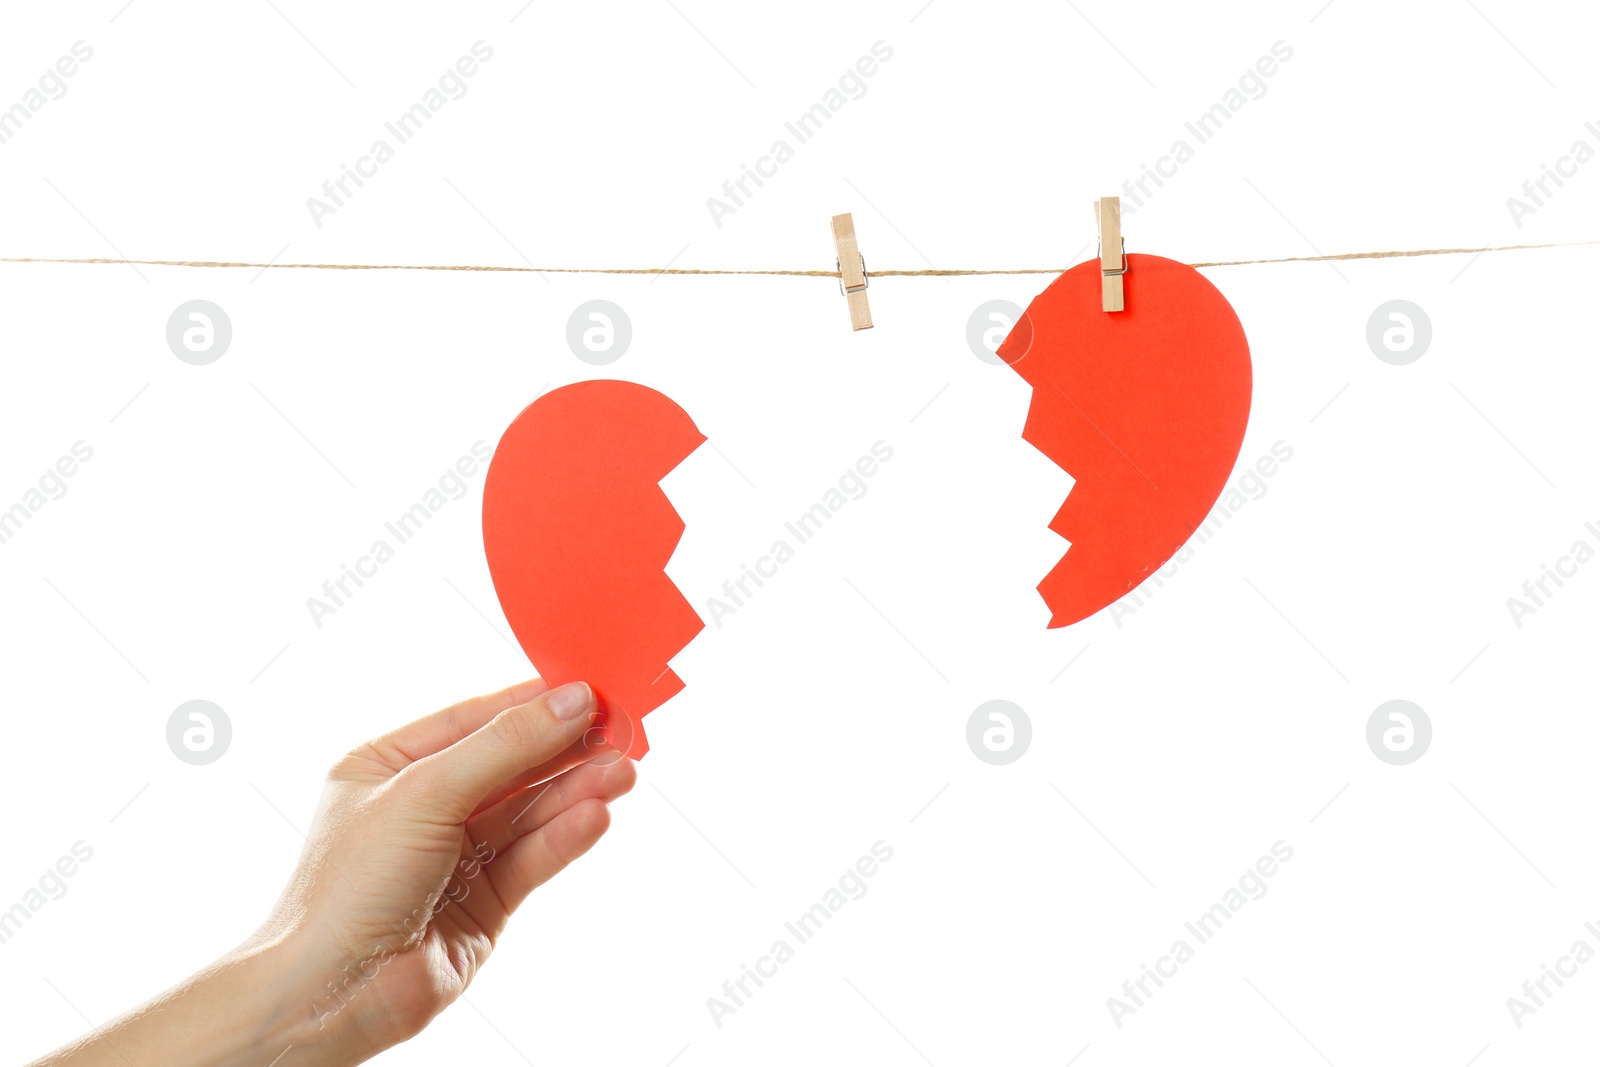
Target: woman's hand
<point x="429" y="837"/>
<point x="425" y="841"/>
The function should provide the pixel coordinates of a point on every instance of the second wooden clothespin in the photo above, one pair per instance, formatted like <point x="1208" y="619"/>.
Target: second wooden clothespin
<point x="1113" y="260"/>
<point x="852" y="272"/>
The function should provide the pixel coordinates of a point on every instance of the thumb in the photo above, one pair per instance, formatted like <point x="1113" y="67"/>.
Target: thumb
<point x="456" y="779"/>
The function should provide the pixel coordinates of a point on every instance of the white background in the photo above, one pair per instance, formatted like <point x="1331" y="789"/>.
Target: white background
<point x="830" y="712"/>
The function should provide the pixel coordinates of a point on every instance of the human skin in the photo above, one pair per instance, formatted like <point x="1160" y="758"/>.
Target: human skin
<point x="424" y="843"/>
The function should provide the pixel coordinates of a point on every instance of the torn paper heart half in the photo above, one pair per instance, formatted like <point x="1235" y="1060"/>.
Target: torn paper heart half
<point x="578" y="532"/>
<point x="1146" y="408"/>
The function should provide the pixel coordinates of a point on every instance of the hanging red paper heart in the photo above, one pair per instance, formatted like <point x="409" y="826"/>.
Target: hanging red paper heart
<point x="1145" y="408"/>
<point x="577" y="532"/>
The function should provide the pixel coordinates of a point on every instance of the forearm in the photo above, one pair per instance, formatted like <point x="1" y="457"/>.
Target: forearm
<point x="253" y="1008"/>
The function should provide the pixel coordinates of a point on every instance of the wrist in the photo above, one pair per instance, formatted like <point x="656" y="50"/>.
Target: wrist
<point x="304" y="1004"/>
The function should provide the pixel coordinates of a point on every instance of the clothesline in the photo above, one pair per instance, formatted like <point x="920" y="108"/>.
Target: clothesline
<point x="931" y="273"/>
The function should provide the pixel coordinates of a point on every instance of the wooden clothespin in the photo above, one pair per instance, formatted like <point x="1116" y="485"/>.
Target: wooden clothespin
<point x="852" y="272"/>
<point x="1113" y="262"/>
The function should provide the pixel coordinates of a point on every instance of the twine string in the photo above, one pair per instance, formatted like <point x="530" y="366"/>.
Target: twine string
<point x="931" y="273"/>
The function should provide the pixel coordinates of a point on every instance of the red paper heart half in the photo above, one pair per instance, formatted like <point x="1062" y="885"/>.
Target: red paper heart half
<point x="1145" y="408"/>
<point x="577" y="533"/>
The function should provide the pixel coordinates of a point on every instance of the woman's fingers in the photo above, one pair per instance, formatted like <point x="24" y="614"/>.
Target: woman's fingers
<point x="590" y="748"/>
<point x="535" y="858"/>
<point x="454" y="780"/>
<point x="438" y="731"/>
<point x="491" y="834"/>
<point x="500" y="826"/>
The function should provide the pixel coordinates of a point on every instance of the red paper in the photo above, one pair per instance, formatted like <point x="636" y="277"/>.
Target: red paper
<point x="577" y="532"/>
<point x="1146" y="409"/>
